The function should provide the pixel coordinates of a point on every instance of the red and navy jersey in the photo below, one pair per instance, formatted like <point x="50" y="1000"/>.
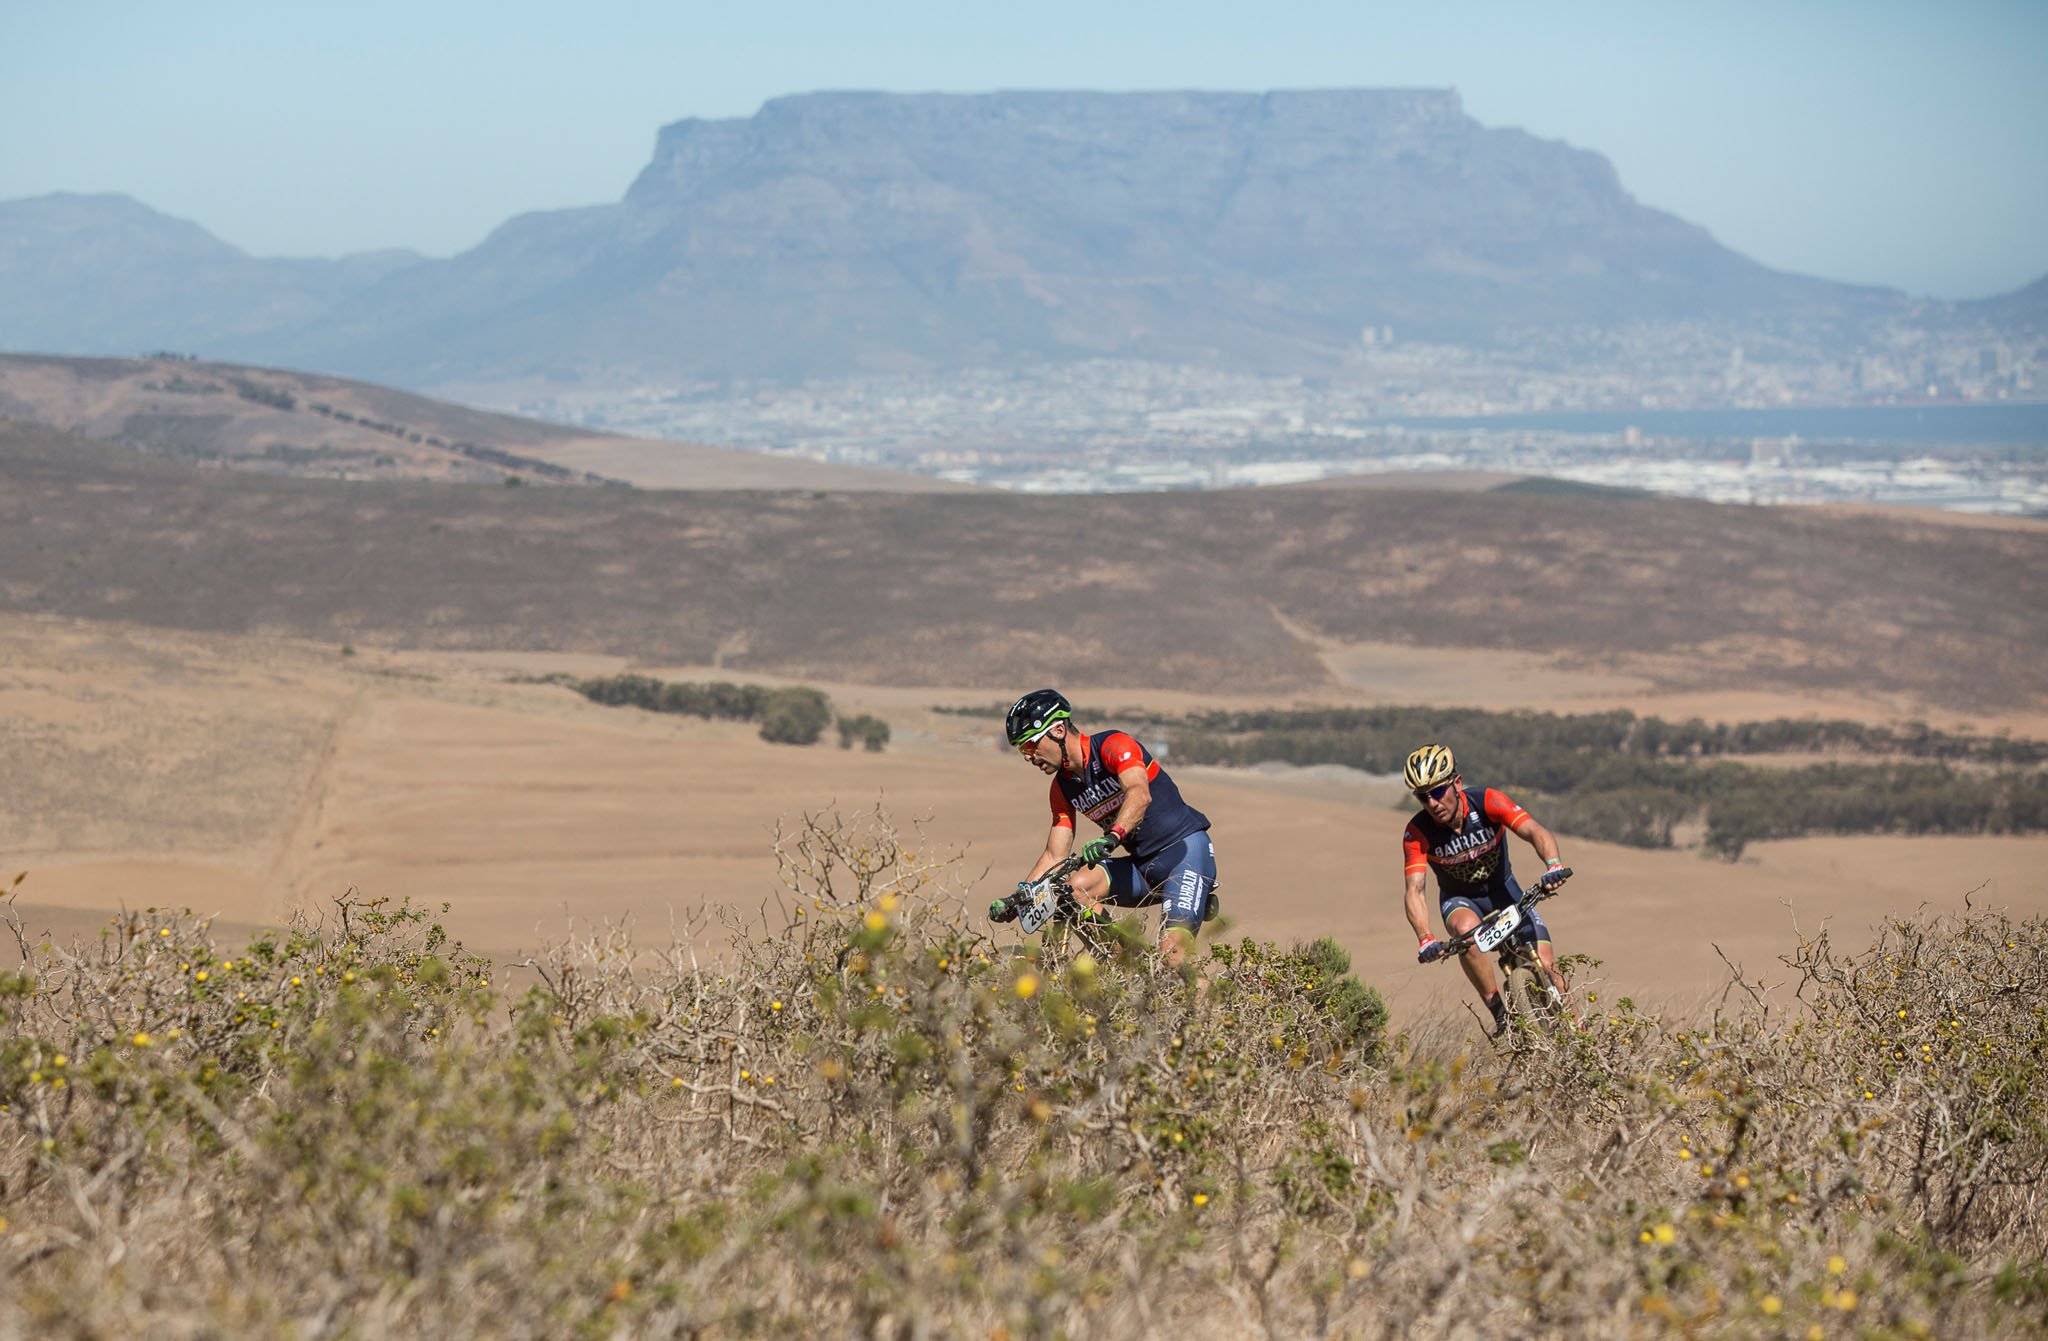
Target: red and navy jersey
<point x="1096" y="792"/>
<point x="1472" y="858"/>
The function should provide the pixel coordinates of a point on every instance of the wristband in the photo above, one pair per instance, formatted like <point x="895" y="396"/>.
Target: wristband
<point x="1123" y="839"/>
<point x="1550" y="866"/>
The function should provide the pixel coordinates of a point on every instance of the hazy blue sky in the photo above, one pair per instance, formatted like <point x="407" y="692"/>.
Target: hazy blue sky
<point x="1876" y="141"/>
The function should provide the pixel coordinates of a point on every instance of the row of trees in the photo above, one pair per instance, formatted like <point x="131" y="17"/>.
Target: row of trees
<point x="274" y="397"/>
<point x="1742" y="804"/>
<point x="1388" y="733"/>
<point x="790" y="715"/>
<point x="1625" y="779"/>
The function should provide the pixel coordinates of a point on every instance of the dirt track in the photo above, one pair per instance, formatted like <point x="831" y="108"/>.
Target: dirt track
<point x="303" y="773"/>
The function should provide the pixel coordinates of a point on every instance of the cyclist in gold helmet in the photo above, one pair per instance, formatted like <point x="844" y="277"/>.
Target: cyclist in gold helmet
<point x="1460" y="833"/>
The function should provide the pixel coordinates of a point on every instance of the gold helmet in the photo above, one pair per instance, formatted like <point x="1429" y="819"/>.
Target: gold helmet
<point x="1429" y="766"/>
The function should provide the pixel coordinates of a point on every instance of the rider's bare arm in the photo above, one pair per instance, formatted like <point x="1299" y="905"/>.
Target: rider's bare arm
<point x="1538" y="837"/>
<point x="1137" y="799"/>
<point x="1058" y="844"/>
<point x="1418" y="911"/>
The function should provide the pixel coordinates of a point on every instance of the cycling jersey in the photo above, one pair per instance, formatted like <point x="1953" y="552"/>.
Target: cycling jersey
<point x="1096" y="792"/>
<point x="1471" y="859"/>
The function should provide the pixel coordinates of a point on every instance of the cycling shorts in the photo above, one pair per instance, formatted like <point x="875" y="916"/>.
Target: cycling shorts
<point x="1531" y="932"/>
<point x="1179" y="876"/>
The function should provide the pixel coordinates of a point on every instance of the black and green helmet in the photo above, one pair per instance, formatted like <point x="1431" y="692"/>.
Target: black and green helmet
<point x="1033" y="715"/>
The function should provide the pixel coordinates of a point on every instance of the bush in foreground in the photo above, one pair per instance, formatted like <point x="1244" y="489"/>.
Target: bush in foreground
<point x="866" y="1117"/>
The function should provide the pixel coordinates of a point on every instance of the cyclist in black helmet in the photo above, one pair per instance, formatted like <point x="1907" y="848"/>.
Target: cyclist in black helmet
<point x="1114" y="780"/>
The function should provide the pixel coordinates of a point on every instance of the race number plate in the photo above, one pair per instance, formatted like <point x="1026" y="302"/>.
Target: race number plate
<point x="1497" y="928"/>
<point x="1040" y="910"/>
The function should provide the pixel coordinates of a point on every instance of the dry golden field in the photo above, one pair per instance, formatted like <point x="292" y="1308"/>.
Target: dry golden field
<point x="245" y="777"/>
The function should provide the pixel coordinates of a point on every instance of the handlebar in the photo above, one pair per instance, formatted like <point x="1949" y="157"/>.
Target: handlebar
<point x="1007" y="908"/>
<point x="1535" y="894"/>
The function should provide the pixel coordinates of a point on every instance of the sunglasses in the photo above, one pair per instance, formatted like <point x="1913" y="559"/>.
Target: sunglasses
<point x="1436" y="793"/>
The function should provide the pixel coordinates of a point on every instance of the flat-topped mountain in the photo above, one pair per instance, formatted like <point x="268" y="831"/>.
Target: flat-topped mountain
<point x="837" y="233"/>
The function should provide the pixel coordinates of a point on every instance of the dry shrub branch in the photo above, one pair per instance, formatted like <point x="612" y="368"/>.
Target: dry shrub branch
<point x="868" y="1118"/>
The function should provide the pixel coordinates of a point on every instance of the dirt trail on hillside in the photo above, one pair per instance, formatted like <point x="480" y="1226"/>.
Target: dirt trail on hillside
<point x="534" y="813"/>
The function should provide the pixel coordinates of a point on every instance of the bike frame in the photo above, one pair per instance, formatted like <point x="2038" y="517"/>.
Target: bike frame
<point x="1038" y="902"/>
<point x="1495" y="935"/>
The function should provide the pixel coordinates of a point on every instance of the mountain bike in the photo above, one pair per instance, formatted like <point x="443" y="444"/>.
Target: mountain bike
<point x="1048" y="903"/>
<point x="1525" y="987"/>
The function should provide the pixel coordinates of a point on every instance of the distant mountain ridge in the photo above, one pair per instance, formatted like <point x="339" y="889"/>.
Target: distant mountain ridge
<point x="272" y="422"/>
<point x="105" y="274"/>
<point x="836" y="233"/>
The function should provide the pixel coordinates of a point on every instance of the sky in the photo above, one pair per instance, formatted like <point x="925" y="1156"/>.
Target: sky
<point x="1872" y="141"/>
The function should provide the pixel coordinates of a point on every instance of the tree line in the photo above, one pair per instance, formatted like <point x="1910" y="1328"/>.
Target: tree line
<point x="1636" y="780"/>
<point x="789" y="715"/>
<point x="1386" y="734"/>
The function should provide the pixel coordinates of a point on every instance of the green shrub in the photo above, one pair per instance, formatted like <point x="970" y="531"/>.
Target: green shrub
<point x="872" y="732"/>
<point x="1355" y="1013"/>
<point x="714" y="699"/>
<point x="795" y="715"/>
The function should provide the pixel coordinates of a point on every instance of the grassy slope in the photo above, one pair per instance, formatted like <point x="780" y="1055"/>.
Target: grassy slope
<point x="879" y="1123"/>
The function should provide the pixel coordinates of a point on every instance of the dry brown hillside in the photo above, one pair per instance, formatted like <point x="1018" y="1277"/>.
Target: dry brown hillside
<point x="1230" y="591"/>
<point x="276" y="422"/>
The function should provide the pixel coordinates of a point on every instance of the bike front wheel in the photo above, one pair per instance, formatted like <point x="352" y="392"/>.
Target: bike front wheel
<point x="1529" y="992"/>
